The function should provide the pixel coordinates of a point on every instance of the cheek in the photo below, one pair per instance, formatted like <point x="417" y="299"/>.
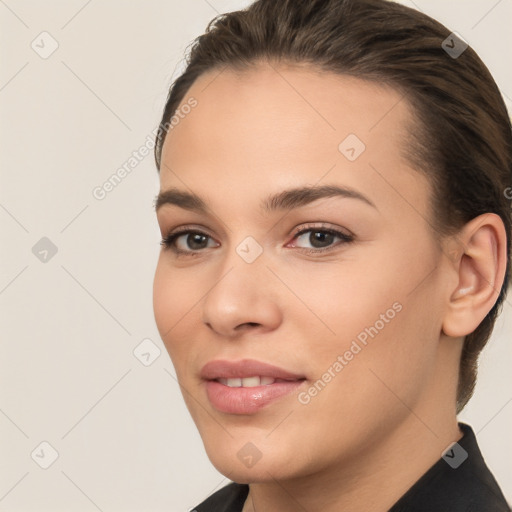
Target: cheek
<point x="163" y="303"/>
<point x="373" y="308"/>
<point x="387" y="337"/>
<point x="339" y="301"/>
<point x="173" y="300"/>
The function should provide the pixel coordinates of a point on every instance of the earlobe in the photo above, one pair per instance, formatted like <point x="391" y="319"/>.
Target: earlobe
<point x="480" y="268"/>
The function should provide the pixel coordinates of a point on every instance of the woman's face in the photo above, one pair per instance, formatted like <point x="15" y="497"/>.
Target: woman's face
<point x="343" y="293"/>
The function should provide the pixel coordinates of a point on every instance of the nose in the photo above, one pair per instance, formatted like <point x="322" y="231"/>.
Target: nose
<point x="242" y="297"/>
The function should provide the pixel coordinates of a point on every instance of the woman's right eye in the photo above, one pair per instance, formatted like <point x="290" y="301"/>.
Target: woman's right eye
<point x="186" y="242"/>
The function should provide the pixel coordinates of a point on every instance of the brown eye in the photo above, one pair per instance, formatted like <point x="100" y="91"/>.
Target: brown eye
<point x="186" y="242"/>
<point x="322" y="239"/>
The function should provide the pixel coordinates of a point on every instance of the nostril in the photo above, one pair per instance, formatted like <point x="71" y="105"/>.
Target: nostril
<point x="247" y="324"/>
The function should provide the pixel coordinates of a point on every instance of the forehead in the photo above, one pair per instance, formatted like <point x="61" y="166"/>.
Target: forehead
<point x="281" y="105"/>
<point x="288" y="125"/>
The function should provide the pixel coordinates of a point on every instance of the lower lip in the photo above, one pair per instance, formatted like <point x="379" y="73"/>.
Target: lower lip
<point x="247" y="400"/>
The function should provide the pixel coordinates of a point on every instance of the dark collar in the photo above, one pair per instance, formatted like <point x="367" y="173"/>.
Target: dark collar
<point x="459" y="482"/>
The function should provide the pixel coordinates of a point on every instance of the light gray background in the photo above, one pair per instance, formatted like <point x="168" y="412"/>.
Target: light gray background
<point x="70" y="325"/>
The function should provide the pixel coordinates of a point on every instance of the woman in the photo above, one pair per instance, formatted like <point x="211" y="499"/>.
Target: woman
<point x="336" y="249"/>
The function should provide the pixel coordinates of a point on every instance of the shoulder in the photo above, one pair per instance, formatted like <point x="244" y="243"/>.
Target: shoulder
<point x="230" y="498"/>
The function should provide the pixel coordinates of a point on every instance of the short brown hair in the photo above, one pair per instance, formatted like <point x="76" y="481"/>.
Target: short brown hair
<point x="463" y="135"/>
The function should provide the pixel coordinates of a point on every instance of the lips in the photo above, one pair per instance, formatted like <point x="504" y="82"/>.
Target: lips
<point x="223" y="369"/>
<point x="246" y="386"/>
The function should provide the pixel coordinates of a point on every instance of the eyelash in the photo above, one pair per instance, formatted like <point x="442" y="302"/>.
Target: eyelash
<point x="168" y="242"/>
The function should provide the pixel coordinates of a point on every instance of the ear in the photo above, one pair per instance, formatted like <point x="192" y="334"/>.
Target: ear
<point x="480" y="261"/>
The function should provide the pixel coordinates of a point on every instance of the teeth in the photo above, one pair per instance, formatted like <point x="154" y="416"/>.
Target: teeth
<point x="250" y="382"/>
<point x="247" y="382"/>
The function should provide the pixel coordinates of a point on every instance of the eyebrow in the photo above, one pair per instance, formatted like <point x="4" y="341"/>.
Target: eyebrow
<point x="285" y="200"/>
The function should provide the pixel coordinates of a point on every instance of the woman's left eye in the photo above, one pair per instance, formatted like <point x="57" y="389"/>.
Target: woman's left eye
<point x="321" y="239"/>
<point x="192" y="242"/>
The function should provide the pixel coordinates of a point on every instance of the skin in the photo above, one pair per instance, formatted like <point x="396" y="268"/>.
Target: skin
<point x="387" y="416"/>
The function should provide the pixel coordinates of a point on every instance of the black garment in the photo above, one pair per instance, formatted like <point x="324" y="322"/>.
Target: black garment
<point x="469" y="487"/>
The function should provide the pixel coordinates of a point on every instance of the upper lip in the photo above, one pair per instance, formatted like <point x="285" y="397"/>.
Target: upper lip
<point x="224" y="369"/>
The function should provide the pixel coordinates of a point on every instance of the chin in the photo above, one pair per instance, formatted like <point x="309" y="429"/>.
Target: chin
<point x="261" y="471"/>
<point x="243" y="462"/>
